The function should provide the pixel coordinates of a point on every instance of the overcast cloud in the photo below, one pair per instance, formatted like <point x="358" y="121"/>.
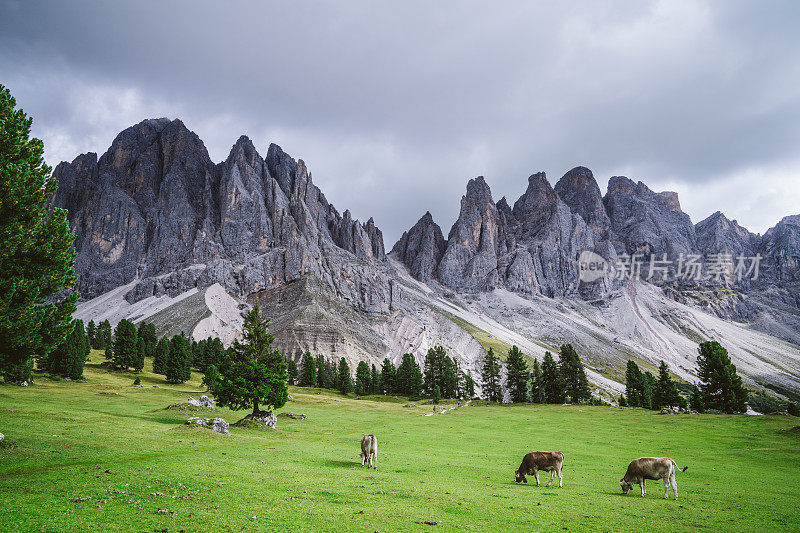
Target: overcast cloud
<point x="394" y="106"/>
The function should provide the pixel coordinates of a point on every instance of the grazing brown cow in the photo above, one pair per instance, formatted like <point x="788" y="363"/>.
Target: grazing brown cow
<point x="645" y="468"/>
<point x="551" y="462"/>
<point x="369" y="451"/>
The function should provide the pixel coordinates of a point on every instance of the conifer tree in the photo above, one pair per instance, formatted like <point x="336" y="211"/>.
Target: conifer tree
<point x="91" y="332"/>
<point x="291" y="369"/>
<point x="648" y="389"/>
<point x="36" y="254"/>
<point x="105" y="340"/>
<point x="666" y="393"/>
<point x="552" y="386"/>
<point x="490" y="375"/>
<point x="721" y="387"/>
<point x="322" y="371"/>
<point x="252" y="372"/>
<point x="573" y="375"/>
<point x="633" y="385"/>
<point x="387" y="378"/>
<point x="308" y="371"/>
<point x="68" y="358"/>
<point x="408" y="380"/>
<point x="469" y="385"/>
<point x="537" y="392"/>
<point x="345" y="381"/>
<point x="178" y="365"/>
<point x="160" y="357"/>
<point x="362" y="379"/>
<point x="138" y="359"/>
<point x="125" y="342"/>
<point x="517" y="376"/>
<point x="448" y="386"/>
<point x="374" y="380"/>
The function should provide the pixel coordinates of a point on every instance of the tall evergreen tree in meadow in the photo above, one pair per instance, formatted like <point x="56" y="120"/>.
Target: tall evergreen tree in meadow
<point x="537" y="392"/>
<point x="469" y="385"/>
<point x="374" y="380"/>
<point x="408" y="380"/>
<point x="36" y="254"/>
<point x="252" y="373"/>
<point x="125" y="341"/>
<point x="433" y="369"/>
<point x="666" y="393"/>
<point x="147" y="332"/>
<point x="139" y="357"/>
<point x="490" y="375"/>
<point x="178" y="364"/>
<point x="696" y="400"/>
<point x="449" y="380"/>
<point x="291" y="369"/>
<point x="308" y="371"/>
<point x="648" y="389"/>
<point x="633" y="384"/>
<point x="105" y="339"/>
<point x="160" y="356"/>
<point x="576" y="386"/>
<point x="362" y="379"/>
<point x="552" y="386"/>
<point x="91" y="332"/>
<point x="387" y="378"/>
<point x="322" y="371"/>
<point x="68" y="358"/>
<point x="721" y="387"/>
<point x="517" y="375"/>
<point x="345" y="381"/>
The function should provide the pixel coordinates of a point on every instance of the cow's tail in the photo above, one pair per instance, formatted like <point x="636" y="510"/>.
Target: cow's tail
<point x="677" y="467"/>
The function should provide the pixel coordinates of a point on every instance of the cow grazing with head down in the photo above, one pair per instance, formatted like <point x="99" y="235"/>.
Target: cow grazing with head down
<point x="654" y="468"/>
<point x="369" y="451"/>
<point x="551" y="462"/>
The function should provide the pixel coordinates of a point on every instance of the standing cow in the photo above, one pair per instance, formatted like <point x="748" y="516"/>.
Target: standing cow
<point x="654" y="468"/>
<point x="369" y="451"/>
<point x="551" y="462"/>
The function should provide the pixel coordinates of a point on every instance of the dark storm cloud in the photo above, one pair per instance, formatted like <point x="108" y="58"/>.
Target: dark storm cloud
<point x="395" y="105"/>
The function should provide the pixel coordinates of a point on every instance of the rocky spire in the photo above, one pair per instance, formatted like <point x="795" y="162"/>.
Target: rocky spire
<point x="579" y="190"/>
<point x="421" y="248"/>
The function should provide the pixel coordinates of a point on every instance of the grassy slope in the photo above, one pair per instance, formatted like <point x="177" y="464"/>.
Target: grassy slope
<point x="66" y="441"/>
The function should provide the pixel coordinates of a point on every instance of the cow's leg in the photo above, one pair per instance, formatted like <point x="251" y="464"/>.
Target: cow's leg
<point x="666" y="486"/>
<point x="363" y="458"/>
<point x="536" y="475"/>
<point x="674" y="483"/>
<point x="560" y="478"/>
<point x="552" y="476"/>
<point x="644" y="490"/>
<point x="375" y="460"/>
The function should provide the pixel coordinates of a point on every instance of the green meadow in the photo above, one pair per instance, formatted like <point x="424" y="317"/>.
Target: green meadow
<point x="107" y="456"/>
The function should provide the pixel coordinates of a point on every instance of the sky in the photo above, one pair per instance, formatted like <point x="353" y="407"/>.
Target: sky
<point x="395" y="105"/>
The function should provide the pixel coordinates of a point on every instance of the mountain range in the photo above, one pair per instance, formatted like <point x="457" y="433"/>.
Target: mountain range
<point x="166" y="235"/>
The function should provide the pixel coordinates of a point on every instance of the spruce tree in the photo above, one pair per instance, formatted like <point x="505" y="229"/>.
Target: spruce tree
<point x="490" y="375"/>
<point x="666" y="393"/>
<point x="633" y="384"/>
<point x="105" y="339"/>
<point x="408" y="380"/>
<point x="573" y="375"/>
<point x="448" y="387"/>
<point x="433" y="369"/>
<point x="469" y="385"/>
<point x="68" y="358"/>
<point x="36" y="254"/>
<point x="648" y="390"/>
<point x="178" y="365"/>
<point x="138" y="360"/>
<point x="552" y="387"/>
<point x="252" y="372"/>
<point x="147" y="332"/>
<point x="161" y="356"/>
<point x="308" y="371"/>
<point x="214" y="352"/>
<point x="387" y="378"/>
<point x="345" y="381"/>
<point x="125" y="344"/>
<point x="322" y="371"/>
<point x="362" y="379"/>
<point x="721" y="387"/>
<point x="517" y="376"/>
<point x="374" y="380"/>
<point x="91" y="332"/>
<point x="291" y="368"/>
<point x="537" y="392"/>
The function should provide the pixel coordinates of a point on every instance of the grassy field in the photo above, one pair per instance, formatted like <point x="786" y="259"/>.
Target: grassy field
<point x="104" y="455"/>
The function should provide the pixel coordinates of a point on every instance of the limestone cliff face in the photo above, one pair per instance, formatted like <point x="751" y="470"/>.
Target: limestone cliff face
<point x="155" y="209"/>
<point x="780" y="249"/>
<point x="421" y="248"/>
<point x="718" y="234"/>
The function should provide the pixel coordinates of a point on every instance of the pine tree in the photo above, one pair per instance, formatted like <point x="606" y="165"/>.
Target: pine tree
<point x="147" y="332"/>
<point x="125" y="344"/>
<point x="666" y="393"/>
<point x="215" y="351"/>
<point x="490" y="374"/>
<point x="36" y="254"/>
<point x="178" y="364"/>
<point x="721" y="387"/>
<point x="633" y="384"/>
<point x="537" y="392"/>
<point x="374" y="380"/>
<point x="308" y="371"/>
<point x="323" y="372"/>
<point x="622" y="401"/>
<point x="552" y="386"/>
<point x="448" y="386"/>
<point x="408" y="380"/>
<point x="387" y="378"/>
<point x="436" y="395"/>
<point x="138" y="359"/>
<point x="573" y="375"/>
<point x="362" y="379"/>
<point x="105" y="340"/>
<point x="345" y="381"/>
<point x="469" y="385"/>
<point x="252" y="372"/>
<point x="161" y="356"/>
<point x="433" y="369"/>
<point x="517" y="376"/>
<point x="696" y="400"/>
<point x="68" y="358"/>
<point x="291" y="368"/>
<point x="91" y="332"/>
<point x="648" y="390"/>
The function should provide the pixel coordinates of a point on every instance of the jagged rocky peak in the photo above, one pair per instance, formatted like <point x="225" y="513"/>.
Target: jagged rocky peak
<point x="154" y="209"/>
<point x="780" y="248"/>
<point x="421" y="248"/>
<point x="536" y="207"/>
<point x="579" y="190"/>
<point x="476" y="240"/>
<point x="647" y="222"/>
<point x="718" y="234"/>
